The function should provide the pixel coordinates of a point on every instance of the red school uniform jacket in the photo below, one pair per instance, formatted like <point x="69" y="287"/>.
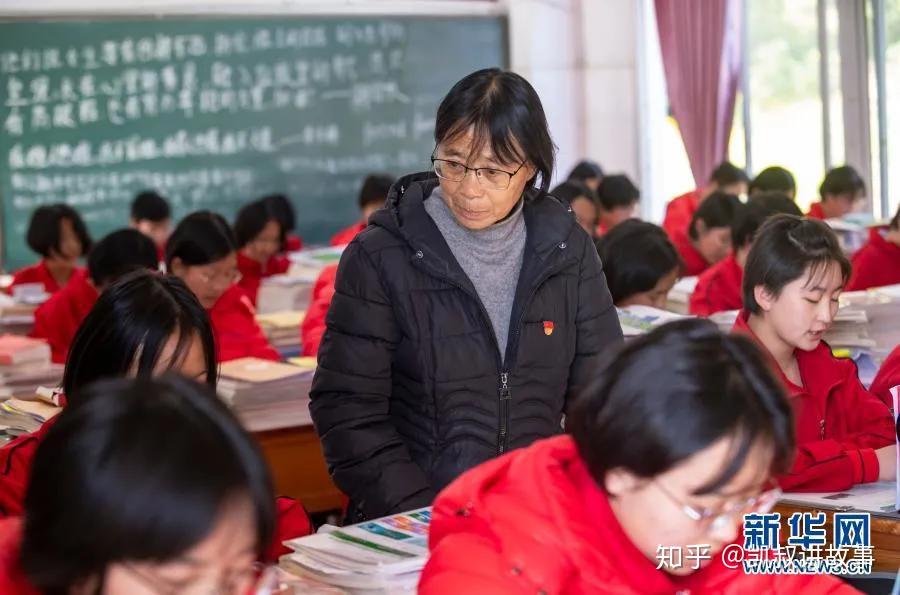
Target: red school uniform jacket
<point x="12" y="579"/>
<point x="816" y="211"/>
<point x="237" y="332"/>
<point x="534" y="521"/>
<point x="718" y="289"/>
<point x="679" y="213"/>
<point x="16" y="459"/>
<point x="57" y="320"/>
<point x="346" y="235"/>
<point x="252" y="272"/>
<point x="838" y="423"/>
<point x="694" y="263"/>
<point x="293" y="243"/>
<point x="876" y="264"/>
<point x="888" y="377"/>
<point x="39" y="273"/>
<point x="313" y="326"/>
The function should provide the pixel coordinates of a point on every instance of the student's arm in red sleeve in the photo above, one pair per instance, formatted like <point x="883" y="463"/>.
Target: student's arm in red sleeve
<point x="291" y="522"/>
<point x="313" y="326"/>
<point x="255" y="340"/>
<point x="15" y="467"/>
<point x="869" y="421"/>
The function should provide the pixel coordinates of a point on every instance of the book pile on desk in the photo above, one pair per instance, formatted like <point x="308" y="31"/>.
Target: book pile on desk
<point x="386" y="554"/>
<point x="15" y="317"/>
<point x="680" y="296"/>
<point x="251" y="381"/>
<point x="282" y="329"/>
<point x="25" y="365"/>
<point x="23" y="416"/>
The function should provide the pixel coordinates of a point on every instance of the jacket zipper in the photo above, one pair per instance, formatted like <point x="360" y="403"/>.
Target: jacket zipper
<point x="504" y="413"/>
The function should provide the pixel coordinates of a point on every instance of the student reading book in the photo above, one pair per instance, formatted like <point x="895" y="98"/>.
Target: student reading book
<point x="708" y="237"/>
<point x="653" y="461"/>
<point x="841" y="190"/>
<point x="795" y="273"/>
<point x="259" y="235"/>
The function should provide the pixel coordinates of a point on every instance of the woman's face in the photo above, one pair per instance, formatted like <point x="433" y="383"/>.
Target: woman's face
<point x="70" y="248"/>
<point x="474" y="204"/>
<point x="223" y="562"/>
<point x="805" y="308"/>
<point x="208" y="281"/>
<point x="266" y="244"/>
<point x="836" y="206"/>
<point x="713" y="243"/>
<point x="655" y="297"/>
<point x="652" y="511"/>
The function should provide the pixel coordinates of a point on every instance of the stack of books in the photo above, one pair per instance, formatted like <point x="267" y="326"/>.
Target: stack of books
<point x="25" y="365"/>
<point x="23" y="416"/>
<point x="250" y="381"/>
<point x="385" y="555"/>
<point x="283" y="330"/>
<point x="680" y="295"/>
<point x="15" y="317"/>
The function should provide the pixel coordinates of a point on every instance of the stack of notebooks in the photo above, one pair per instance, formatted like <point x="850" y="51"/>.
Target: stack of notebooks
<point x="385" y="555"/>
<point x="23" y="416"/>
<point x="25" y="365"/>
<point x="15" y="317"/>
<point x="283" y="329"/>
<point x="250" y="381"/>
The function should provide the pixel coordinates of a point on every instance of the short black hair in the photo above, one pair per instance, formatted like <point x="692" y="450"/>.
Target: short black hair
<point x="727" y="173"/>
<point x="617" y="191"/>
<point x="785" y="248"/>
<point x="374" y="190"/>
<point x="201" y="238"/>
<point x="570" y="191"/>
<point x="252" y="218"/>
<point x="43" y="234"/>
<point x="712" y="386"/>
<point x="635" y="256"/>
<point x="504" y="112"/>
<point x="150" y="206"/>
<point x="283" y="209"/>
<point x="719" y="209"/>
<point x="842" y="180"/>
<point x="586" y="170"/>
<point x="760" y="207"/>
<point x="127" y="330"/>
<point x="774" y="179"/>
<point x="119" y="253"/>
<point x="139" y="471"/>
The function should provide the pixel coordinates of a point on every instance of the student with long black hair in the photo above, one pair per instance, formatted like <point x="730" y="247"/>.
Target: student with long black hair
<point x="144" y="486"/>
<point x="58" y="234"/>
<point x="260" y="236"/>
<point x="658" y="458"/>
<point x="202" y="251"/>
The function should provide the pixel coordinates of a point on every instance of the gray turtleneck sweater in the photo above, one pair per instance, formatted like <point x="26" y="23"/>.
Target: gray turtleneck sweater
<point x="491" y="258"/>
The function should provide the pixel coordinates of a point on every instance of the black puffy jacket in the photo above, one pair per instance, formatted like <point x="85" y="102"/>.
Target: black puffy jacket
<point x="410" y="390"/>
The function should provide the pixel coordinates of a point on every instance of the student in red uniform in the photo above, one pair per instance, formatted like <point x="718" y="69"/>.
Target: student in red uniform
<point x="877" y="263"/>
<point x="203" y="253"/>
<point x="719" y="287"/>
<point x="144" y="325"/>
<point x="58" y="234"/>
<point x="259" y="236"/>
<point x="727" y="178"/>
<point x="640" y="263"/>
<point x="774" y="179"/>
<point x="619" y="199"/>
<point x="152" y="216"/>
<point x="795" y="273"/>
<point x="284" y="210"/>
<point x="148" y="486"/>
<point x="584" y="202"/>
<point x="841" y="192"/>
<point x="313" y="326"/>
<point x="888" y="377"/>
<point x="708" y="239"/>
<point x="57" y="320"/>
<point x="664" y="459"/>
<point x="372" y="195"/>
<point x="588" y="173"/>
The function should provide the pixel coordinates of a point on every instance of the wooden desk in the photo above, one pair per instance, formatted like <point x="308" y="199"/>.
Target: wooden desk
<point x="291" y="447"/>
<point x="885" y="535"/>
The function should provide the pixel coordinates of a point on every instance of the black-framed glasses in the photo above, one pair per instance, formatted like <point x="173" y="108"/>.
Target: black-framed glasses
<point x="251" y="580"/>
<point x="488" y="177"/>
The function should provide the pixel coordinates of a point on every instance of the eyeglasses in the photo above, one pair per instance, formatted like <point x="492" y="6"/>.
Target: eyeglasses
<point x="716" y="519"/>
<point x="228" y="278"/>
<point x="488" y="177"/>
<point x="256" y="579"/>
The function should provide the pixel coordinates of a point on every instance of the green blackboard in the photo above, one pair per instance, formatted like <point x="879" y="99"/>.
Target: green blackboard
<point x="215" y="112"/>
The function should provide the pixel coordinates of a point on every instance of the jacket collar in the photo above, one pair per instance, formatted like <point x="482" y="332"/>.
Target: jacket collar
<point x="818" y="371"/>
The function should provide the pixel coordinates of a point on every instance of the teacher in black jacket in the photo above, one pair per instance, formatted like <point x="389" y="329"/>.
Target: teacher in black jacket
<point x="466" y="315"/>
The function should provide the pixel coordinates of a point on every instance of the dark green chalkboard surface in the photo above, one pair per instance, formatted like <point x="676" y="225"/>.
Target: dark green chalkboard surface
<point x="215" y="112"/>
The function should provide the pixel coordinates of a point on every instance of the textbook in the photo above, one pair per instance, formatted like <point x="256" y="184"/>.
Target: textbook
<point x="25" y="379"/>
<point x="680" y="295"/>
<point x="639" y="320"/>
<point x="16" y="349"/>
<point x="20" y="416"/>
<point x="282" y="329"/>
<point x="387" y="553"/>
<point x="254" y="381"/>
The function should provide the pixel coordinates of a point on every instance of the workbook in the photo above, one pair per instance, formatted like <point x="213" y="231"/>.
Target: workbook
<point x="254" y="381"/>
